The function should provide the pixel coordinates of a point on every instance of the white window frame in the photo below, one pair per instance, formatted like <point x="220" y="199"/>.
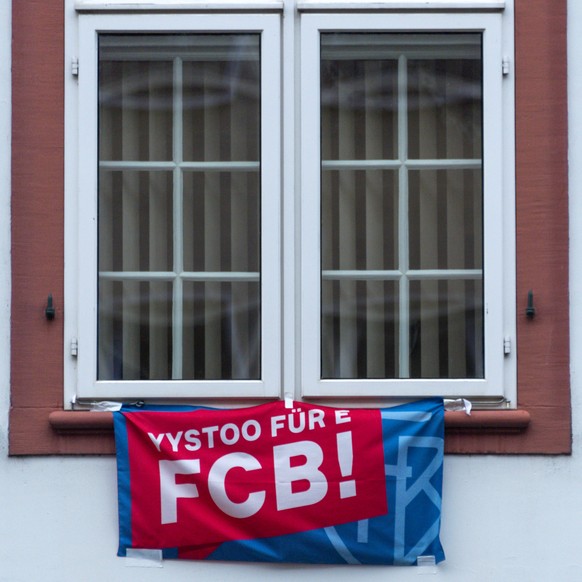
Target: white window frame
<point x="498" y="193"/>
<point x="82" y="238"/>
<point x="290" y="180"/>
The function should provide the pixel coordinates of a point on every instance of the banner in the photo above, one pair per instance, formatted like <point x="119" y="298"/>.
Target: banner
<point x="310" y="484"/>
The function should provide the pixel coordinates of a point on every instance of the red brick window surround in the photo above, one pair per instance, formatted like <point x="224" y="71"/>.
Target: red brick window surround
<point x="541" y="423"/>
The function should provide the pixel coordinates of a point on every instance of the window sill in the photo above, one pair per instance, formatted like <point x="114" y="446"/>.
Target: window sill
<point x="493" y="421"/>
<point x="470" y="429"/>
<point x="503" y="421"/>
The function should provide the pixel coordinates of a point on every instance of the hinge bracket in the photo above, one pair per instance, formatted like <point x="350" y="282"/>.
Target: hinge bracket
<point x="506" y="345"/>
<point x="505" y="66"/>
<point x="75" y="67"/>
<point x="74" y="347"/>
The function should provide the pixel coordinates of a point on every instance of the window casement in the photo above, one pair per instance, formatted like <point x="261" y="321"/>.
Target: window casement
<point x="468" y="222"/>
<point x="405" y="194"/>
<point x="179" y="183"/>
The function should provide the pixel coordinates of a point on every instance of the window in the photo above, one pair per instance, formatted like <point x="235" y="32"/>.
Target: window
<point x="401" y="202"/>
<point x="297" y="168"/>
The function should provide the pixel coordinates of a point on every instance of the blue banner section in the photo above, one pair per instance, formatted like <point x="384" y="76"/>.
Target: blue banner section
<point x="413" y="447"/>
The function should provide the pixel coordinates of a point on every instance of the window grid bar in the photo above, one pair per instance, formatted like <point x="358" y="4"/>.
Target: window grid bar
<point x="178" y="234"/>
<point x="221" y="166"/>
<point x="222" y="276"/>
<point x="436" y="164"/>
<point x="403" y="235"/>
<point x="396" y="275"/>
<point x="191" y="54"/>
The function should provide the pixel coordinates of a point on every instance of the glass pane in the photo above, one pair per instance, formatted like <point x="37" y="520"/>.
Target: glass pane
<point x="445" y="210"/>
<point x="179" y="206"/>
<point x="135" y="109"/>
<point x="135" y="221"/>
<point x="360" y="329"/>
<point x="135" y="330"/>
<point x="221" y="221"/>
<point x="221" y="331"/>
<point x="220" y="96"/>
<point x="446" y="329"/>
<point x="444" y="107"/>
<point x="360" y="229"/>
<point x="359" y="106"/>
<point x="402" y="205"/>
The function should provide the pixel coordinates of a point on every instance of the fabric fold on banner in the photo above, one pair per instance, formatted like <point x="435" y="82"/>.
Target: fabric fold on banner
<point x="307" y="484"/>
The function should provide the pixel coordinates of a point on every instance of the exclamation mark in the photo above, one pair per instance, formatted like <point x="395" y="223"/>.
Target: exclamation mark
<point x="345" y="455"/>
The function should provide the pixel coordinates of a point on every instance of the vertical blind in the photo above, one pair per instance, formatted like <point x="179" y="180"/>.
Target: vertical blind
<point x="402" y="206"/>
<point x="179" y="207"/>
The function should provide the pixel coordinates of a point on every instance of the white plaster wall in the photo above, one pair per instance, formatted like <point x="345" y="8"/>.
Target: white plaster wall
<point x="504" y="519"/>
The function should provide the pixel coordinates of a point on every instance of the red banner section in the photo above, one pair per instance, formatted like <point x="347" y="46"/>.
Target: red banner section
<point x="204" y="477"/>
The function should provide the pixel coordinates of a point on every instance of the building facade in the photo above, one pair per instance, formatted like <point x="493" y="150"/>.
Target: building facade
<point x="505" y="517"/>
